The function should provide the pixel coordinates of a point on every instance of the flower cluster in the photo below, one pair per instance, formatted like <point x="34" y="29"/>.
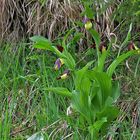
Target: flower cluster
<point x="59" y="63"/>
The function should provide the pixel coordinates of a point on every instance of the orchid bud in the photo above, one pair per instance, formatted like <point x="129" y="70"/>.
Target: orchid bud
<point x="102" y="47"/>
<point x="58" y="63"/>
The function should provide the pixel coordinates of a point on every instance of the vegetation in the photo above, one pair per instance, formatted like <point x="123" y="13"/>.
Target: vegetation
<point x="69" y="70"/>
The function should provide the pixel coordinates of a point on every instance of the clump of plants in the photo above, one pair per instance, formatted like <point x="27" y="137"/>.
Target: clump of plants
<point x="94" y="91"/>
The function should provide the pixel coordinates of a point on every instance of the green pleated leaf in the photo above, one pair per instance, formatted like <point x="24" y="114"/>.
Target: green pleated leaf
<point x="80" y="74"/>
<point x="109" y="112"/>
<point x="103" y="81"/>
<point x="96" y="127"/>
<point x="80" y="103"/>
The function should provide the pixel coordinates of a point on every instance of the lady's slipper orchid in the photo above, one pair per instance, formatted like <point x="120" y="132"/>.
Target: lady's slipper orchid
<point x="58" y="63"/>
<point x="64" y="75"/>
<point x="88" y="24"/>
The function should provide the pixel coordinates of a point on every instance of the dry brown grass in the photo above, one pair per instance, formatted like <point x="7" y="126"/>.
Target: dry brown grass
<point x="22" y="18"/>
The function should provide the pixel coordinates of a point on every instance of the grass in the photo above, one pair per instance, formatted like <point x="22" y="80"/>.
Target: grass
<point x="49" y="18"/>
<point x="27" y="108"/>
<point x="25" y="105"/>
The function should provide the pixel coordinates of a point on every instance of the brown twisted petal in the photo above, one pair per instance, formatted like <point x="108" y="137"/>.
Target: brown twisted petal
<point x="60" y="48"/>
<point x="102" y="47"/>
<point x="93" y="46"/>
<point x="131" y="46"/>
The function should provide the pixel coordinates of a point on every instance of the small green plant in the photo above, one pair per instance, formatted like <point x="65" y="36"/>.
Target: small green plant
<point x="94" y="92"/>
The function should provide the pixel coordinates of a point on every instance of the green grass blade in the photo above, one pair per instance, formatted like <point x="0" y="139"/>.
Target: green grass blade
<point x="118" y="60"/>
<point x="65" y="38"/>
<point x="126" y="39"/>
<point x="97" y="40"/>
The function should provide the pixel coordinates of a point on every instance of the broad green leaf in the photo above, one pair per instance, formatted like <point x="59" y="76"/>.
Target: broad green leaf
<point x="84" y="93"/>
<point x="109" y="101"/>
<point x="118" y="60"/>
<point x="97" y="99"/>
<point x="60" y="91"/>
<point x="104" y="81"/>
<point x="82" y="107"/>
<point x="38" y="39"/>
<point x="81" y="97"/>
<point x="96" y="127"/>
<point x="42" y="43"/>
<point x="36" y="136"/>
<point x="85" y="86"/>
<point x="110" y="112"/>
<point x="80" y="74"/>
